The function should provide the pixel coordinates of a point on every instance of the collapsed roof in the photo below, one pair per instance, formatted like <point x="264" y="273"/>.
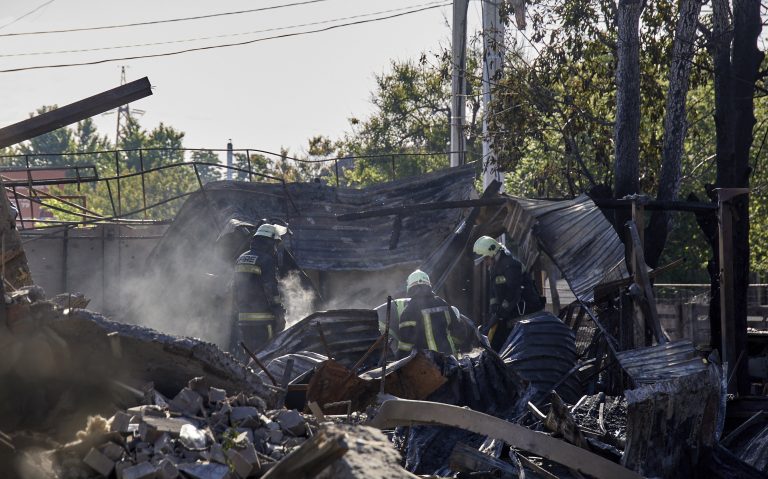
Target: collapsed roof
<point x="319" y="241"/>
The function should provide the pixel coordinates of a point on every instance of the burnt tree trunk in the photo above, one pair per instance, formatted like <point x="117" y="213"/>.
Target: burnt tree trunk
<point x="675" y="127"/>
<point x="627" y="132"/>
<point x="745" y="70"/>
<point x="737" y="62"/>
<point x="627" y="128"/>
<point x="720" y="48"/>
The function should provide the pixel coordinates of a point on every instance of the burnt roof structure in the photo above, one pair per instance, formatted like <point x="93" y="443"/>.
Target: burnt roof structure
<point x="319" y="241"/>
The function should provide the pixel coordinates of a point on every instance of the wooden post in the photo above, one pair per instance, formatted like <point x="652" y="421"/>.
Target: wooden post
<point x="640" y="330"/>
<point x="725" y="252"/>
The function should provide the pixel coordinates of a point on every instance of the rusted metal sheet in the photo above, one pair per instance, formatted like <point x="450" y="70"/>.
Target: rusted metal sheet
<point x="333" y="383"/>
<point x="343" y="335"/>
<point x="414" y="377"/>
<point x="319" y="241"/>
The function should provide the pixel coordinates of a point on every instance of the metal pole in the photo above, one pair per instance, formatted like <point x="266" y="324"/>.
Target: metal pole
<point x="385" y="346"/>
<point x="117" y="173"/>
<point x="230" y="158"/>
<point x="336" y="166"/>
<point x="250" y="169"/>
<point x="143" y="186"/>
<point x="458" y="61"/>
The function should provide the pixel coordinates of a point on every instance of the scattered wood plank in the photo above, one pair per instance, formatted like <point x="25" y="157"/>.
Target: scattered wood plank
<point x="311" y="457"/>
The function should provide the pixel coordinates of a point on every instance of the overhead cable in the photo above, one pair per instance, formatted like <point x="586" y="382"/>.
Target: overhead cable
<point x="36" y="9"/>
<point x="152" y="22"/>
<point x="226" y="35"/>
<point x="225" y="45"/>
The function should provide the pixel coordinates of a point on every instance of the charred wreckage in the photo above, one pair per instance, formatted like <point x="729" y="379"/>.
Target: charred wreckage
<point x="601" y="387"/>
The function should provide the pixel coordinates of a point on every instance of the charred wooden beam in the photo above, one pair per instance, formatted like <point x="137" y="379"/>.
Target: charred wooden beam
<point x="74" y="112"/>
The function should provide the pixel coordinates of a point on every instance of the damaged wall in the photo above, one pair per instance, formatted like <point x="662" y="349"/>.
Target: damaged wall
<point x="101" y="262"/>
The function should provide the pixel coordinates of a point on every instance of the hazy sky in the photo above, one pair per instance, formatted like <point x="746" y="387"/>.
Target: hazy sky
<point x="263" y="95"/>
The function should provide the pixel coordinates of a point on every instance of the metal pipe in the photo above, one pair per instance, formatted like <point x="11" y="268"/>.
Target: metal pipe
<point x="258" y="363"/>
<point x="385" y="346"/>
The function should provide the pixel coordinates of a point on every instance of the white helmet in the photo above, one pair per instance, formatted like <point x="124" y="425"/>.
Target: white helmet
<point x="416" y="278"/>
<point x="486" y="246"/>
<point x="271" y="231"/>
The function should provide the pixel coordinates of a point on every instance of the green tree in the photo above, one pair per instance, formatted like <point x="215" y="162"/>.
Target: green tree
<point x="410" y="122"/>
<point x="47" y="149"/>
<point x="208" y="173"/>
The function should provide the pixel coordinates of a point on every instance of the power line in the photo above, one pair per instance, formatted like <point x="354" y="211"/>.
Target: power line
<point x="227" y="35"/>
<point x="152" y="22"/>
<point x="38" y="8"/>
<point x="212" y="47"/>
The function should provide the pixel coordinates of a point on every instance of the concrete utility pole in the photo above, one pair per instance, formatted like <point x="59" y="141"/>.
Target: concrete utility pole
<point x="493" y="58"/>
<point x="458" y="80"/>
<point x="229" y="160"/>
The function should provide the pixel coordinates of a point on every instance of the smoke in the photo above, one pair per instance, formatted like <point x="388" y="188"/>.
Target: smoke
<point x="364" y="289"/>
<point x="193" y="303"/>
<point x="298" y="301"/>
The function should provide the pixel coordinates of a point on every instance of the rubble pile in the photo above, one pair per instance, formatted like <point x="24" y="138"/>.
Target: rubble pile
<point x="205" y="433"/>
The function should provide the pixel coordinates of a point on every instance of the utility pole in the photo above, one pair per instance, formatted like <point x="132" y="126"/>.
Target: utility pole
<point x="458" y="81"/>
<point x="229" y="160"/>
<point x="493" y="58"/>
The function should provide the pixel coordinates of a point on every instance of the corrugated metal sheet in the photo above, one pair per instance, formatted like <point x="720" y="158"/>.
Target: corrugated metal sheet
<point x="574" y="233"/>
<point x="542" y="350"/>
<point x="319" y="241"/>
<point x="346" y="336"/>
<point x="662" y="362"/>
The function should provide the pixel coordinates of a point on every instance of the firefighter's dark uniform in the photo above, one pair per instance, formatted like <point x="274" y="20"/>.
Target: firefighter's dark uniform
<point x="513" y="294"/>
<point x="260" y="313"/>
<point x="428" y="322"/>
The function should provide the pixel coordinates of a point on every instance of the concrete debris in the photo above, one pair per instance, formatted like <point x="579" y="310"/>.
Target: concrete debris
<point x="99" y="462"/>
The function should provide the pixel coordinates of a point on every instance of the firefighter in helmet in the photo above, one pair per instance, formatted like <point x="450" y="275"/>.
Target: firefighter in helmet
<point x="257" y="303"/>
<point x="513" y="292"/>
<point x="428" y="322"/>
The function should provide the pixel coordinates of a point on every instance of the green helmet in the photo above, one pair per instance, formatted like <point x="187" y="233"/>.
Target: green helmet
<point x="271" y="231"/>
<point x="416" y="278"/>
<point x="486" y="246"/>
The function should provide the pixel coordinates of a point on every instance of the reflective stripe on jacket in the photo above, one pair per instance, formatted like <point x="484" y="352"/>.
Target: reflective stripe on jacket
<point x="427" y="323"/>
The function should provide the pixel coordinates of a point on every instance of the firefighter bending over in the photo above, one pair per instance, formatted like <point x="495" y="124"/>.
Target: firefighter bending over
<point x="428" y="322"/>
<point x="260" y="313"/>
<point x="513" y="292"/>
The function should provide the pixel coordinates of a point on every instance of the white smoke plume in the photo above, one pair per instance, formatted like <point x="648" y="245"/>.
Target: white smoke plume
<point x="298" y="301"/>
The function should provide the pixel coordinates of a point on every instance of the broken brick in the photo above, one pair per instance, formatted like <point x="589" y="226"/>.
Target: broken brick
<point x="99" y="462"/>
<point x="187" y="402"/>
<point x="143" y="470"/>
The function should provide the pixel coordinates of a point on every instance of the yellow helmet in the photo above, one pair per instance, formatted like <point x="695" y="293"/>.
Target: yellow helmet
<point x="486" y="246"/>
<point x="416" y="278"/>
<point x="271" y="231"/>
